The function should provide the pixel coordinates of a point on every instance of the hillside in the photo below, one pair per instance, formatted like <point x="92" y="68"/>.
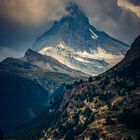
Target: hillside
<point x="104" y="107"/>
<point x="26" y="85"/>
<point x="21" y="100"/>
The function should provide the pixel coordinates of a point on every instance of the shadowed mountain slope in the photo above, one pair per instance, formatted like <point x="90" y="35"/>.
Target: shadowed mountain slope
<point x="104" y="107"/>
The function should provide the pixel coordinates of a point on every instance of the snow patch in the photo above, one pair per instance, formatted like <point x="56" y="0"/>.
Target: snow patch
<point x="82" y="60"/>
<point x="61" y="45"/>
<point x="93" y="35"/>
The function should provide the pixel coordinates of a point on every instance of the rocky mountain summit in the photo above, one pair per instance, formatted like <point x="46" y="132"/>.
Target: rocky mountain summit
<point x="73" y="41"/>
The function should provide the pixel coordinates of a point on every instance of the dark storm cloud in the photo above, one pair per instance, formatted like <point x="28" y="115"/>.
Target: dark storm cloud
<point x="22" y="21"/>
<point x="15" y="34"/>
<point x="32" y="11"/>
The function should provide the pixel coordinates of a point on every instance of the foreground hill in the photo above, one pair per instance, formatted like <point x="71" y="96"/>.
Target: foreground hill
<point x="104" y="107"/>
<point x="26" y="85"/>
<point x="76" y="43"/>
<point x="21" y="99"/>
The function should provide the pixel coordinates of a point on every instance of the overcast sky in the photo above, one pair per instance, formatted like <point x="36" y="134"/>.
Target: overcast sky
<point x="22" y="21"/>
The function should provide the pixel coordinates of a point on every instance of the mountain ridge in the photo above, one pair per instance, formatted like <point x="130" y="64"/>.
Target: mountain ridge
<point x="48" y="62"/>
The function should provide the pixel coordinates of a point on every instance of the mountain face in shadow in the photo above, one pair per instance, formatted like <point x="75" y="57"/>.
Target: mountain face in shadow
<point x="104" y="107"/>
<point x="21" y="100"/>
<point x="26" y="85"/>
<point x="74" y="42"/>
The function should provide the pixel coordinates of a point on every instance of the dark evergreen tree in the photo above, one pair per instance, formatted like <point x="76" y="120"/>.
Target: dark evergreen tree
<point x="129" y="138"/>
<point x="90" y="79"/>
<point x="1" y="135"/>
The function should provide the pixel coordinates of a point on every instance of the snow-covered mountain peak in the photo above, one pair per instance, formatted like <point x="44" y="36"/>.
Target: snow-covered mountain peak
<point x="75" y="11"/>
<point x="74" y="42"/>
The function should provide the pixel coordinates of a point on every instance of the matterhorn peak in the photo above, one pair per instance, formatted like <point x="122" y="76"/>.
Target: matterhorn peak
<point x="80" y="42"/>
<point x="75" y="10"/>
